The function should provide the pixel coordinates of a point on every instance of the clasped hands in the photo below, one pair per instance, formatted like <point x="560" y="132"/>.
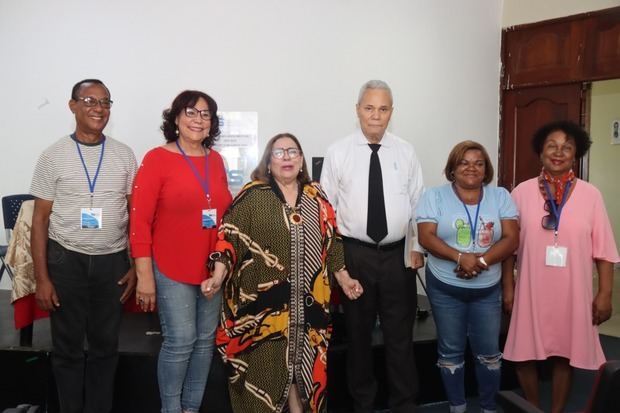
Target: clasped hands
<point x="209" y="287"/>
<point x="213" y="284"/>
<point x="470" y="265"/>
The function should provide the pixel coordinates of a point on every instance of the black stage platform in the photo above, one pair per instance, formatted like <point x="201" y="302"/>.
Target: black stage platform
<point x="25" y="375"/>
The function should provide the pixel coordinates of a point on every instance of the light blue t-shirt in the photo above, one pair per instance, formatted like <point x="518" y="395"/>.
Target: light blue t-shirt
<point x="443" y="207"/>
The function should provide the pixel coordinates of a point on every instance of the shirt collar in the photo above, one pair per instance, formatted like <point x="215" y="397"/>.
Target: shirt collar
<point x="386" y="141"/>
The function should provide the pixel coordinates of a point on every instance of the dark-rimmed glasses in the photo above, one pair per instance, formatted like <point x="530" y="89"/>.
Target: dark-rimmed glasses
<point x="193" y="112"/>
<point x="549" y="221"/>
<point x="91" y="101"/>
<point x="292" y="153"/>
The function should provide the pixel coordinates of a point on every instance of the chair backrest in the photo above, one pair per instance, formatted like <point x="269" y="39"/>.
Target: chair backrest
<point x="605" y="397"/>
<point x="10" y="208"/>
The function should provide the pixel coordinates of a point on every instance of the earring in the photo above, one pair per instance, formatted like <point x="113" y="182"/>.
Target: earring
<point x="301" y="170"/>
<point x="176" y="132"/>
<point x="269" y="170"/>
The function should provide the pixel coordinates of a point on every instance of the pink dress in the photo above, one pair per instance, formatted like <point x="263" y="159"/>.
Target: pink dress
<point x="552" y="313"/>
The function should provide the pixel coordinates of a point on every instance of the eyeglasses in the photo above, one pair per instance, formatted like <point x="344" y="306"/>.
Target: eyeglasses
<point x="193" y="112"/>
<point x="90" y="101"/>
<point x="549" y="221"/>
<point x="292" y="153"/>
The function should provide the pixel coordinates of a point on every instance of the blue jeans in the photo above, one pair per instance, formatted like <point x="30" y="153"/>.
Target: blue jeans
<point x="461" y="314"/>
<point x="188" y="322"/>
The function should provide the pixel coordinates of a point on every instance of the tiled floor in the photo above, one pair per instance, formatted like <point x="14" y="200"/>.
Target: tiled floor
<point x="612" y="326"/>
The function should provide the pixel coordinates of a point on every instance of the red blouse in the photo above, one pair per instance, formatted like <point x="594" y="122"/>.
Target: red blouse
<point x="166" y="212"/>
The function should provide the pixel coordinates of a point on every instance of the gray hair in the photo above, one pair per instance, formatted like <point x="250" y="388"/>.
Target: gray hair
<point x="374" y="84"/>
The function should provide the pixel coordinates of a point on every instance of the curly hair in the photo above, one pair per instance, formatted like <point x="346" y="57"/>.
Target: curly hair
<point x="573" y="132"/>
<point x="189" y="98"/>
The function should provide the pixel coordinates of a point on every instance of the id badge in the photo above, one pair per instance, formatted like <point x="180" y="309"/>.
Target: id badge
<point x="91" y="218"/>
<point x="209" y="218"/>
<point x="556" y="256"/>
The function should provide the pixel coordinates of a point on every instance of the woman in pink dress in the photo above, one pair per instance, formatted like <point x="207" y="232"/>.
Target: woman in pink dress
<point x="564" y="229"/>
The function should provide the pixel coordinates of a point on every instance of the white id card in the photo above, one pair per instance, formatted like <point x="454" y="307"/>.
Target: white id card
<point x="556" y="256"/>
<point x="209" y="218"/>
<point x="91" y="218"/>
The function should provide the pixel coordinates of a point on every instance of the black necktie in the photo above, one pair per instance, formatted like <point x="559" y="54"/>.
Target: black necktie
<point x="376" y="222"/>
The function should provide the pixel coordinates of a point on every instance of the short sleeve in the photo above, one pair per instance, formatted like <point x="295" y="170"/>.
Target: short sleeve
<point x="43" y="184"/>
<point x="132" y="168"/>
<point x="428" y="207"/>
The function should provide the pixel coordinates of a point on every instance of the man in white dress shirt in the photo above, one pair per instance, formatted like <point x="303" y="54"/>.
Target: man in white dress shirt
<point x="375" y="201"/>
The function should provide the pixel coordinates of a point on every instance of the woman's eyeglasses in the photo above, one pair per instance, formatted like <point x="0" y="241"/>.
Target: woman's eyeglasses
<point x="549" y="221"/>
<point x="193" y="112"/>
<point x="292" y="153"/>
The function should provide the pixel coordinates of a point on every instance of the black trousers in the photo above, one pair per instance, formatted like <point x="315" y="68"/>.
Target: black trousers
<point x="390" y="290"/>
<point x="90" y="309"/>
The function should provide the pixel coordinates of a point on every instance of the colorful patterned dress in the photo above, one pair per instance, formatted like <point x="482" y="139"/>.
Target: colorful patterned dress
<point x="275" y="325"/>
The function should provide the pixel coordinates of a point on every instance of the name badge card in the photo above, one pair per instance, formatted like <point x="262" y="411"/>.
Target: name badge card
<point x="209" y="218"/>
<point x="91" y="218"/>
<point x="556" y="256"/>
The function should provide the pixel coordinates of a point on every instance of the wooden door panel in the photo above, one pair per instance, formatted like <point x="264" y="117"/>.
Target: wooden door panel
<point x="543" y="54"/>
<point x="602" y="46"/>
<point x="523" y="112"/>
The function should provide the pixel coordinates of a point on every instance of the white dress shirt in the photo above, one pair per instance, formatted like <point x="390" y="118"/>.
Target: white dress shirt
<point x="344" y="178"/>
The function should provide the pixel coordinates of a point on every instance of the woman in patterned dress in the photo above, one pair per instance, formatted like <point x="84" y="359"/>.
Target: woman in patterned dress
<point x="277" y="248"/>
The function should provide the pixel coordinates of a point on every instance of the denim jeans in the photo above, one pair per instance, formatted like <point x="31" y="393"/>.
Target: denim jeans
<point x="188" y="322"/>
<point x="461" y="314"/>
<point x="90" y="308"/>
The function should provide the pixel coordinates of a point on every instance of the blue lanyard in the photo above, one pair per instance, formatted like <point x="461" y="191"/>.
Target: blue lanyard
<point x="203" y="182"/>
<point x="91" y="184"/>
<point x="474" y="224"/>
<point x="557" y="210"/>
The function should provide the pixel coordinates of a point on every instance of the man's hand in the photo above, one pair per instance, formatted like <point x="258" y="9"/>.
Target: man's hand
<point x="129" y="280"/>
<point x="417" y="260"/>
<point x="351" y="287"/>
<point x="45" y="296"/>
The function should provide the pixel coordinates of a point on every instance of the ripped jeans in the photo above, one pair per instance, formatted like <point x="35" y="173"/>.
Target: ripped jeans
<point x="461" y="314"/>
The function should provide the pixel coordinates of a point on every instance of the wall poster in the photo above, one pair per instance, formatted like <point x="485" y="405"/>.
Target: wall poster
<point x="238" y="145"/>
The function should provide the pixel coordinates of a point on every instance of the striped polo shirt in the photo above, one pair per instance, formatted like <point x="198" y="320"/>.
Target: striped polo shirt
<point x="60" y="177"/>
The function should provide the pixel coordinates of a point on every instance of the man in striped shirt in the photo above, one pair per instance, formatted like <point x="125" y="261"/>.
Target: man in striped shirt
<point x="82" y="184"/>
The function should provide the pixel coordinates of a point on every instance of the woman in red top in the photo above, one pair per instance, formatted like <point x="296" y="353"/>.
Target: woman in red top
<point x="179" y="196"/>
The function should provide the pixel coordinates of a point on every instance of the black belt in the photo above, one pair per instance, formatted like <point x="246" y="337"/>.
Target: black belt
<point x="378" y="247"/>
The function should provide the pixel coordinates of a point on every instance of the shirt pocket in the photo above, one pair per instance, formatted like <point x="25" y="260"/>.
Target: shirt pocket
<point x="395" y="178"/>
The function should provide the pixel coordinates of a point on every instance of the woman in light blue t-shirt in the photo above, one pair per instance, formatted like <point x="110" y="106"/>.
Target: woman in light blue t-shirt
<point x="468" y="229"/>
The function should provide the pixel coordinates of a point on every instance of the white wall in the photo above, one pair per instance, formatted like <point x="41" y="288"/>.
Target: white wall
<point x="299" y="64"/>
<point x="529" y="11"/>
